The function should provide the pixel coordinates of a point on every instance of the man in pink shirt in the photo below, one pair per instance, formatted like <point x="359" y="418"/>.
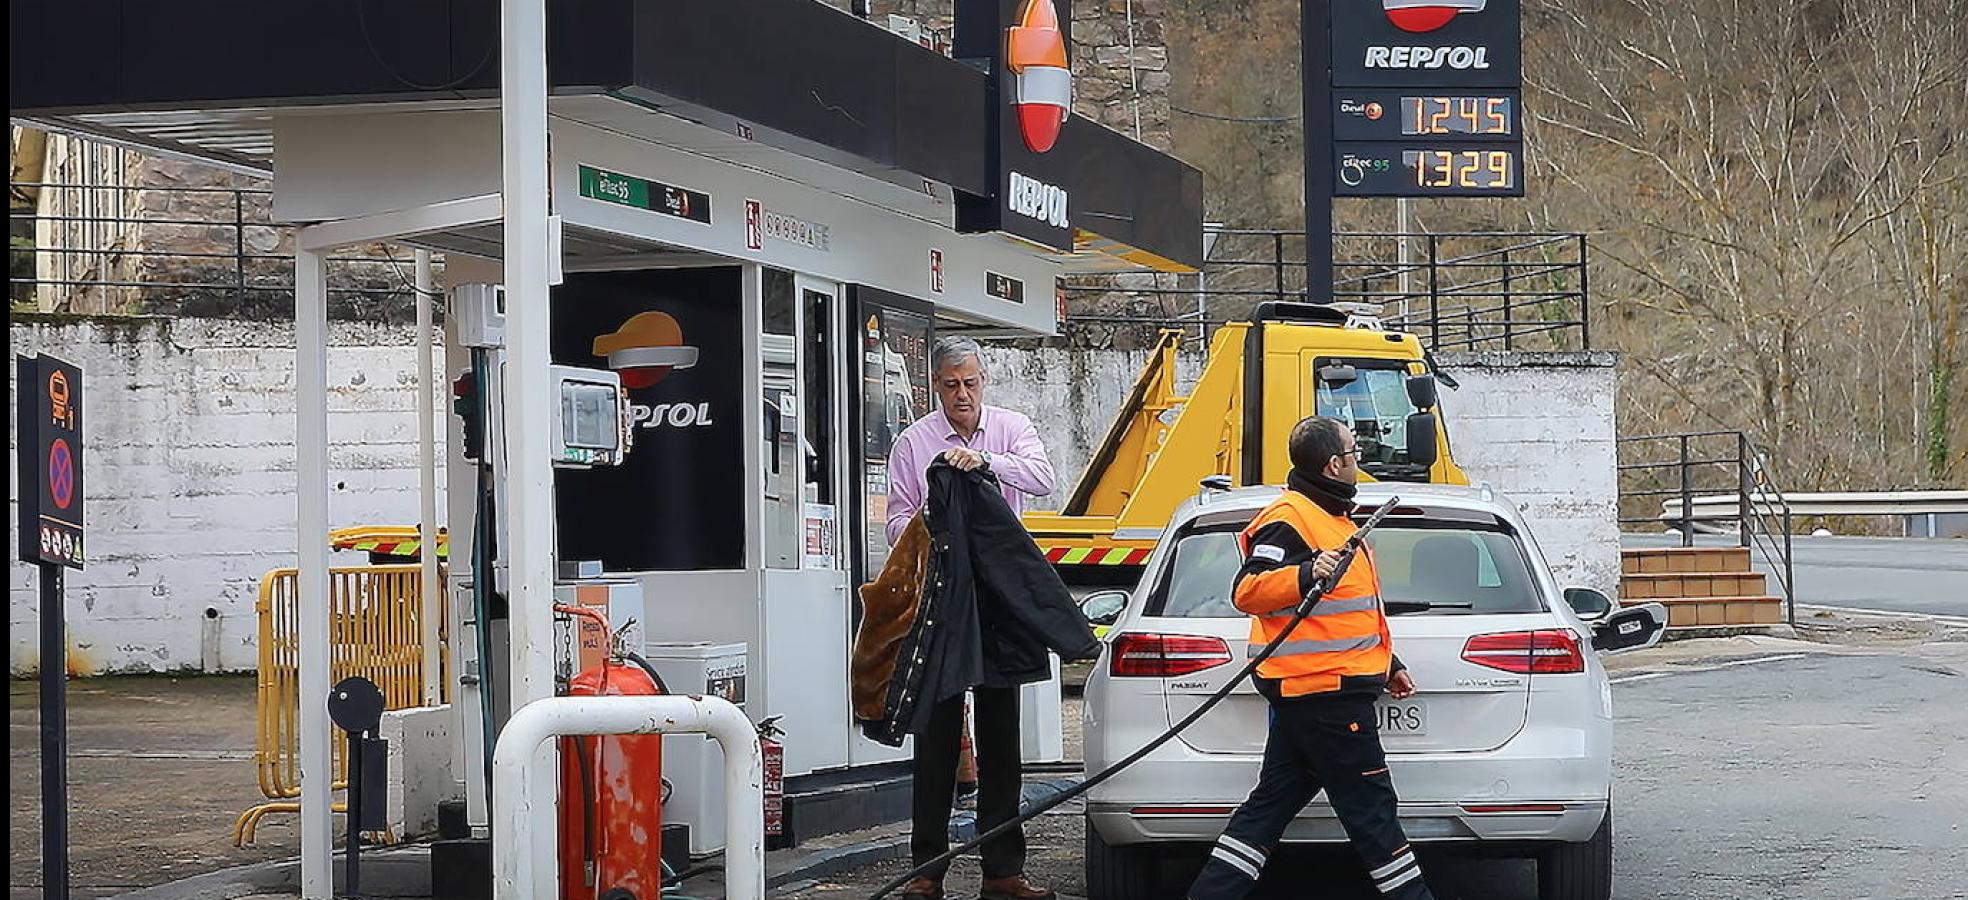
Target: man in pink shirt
<point x="968" y="435"/>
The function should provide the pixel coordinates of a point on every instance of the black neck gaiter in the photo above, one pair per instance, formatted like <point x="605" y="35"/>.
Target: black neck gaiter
<point x="1332" y="495"/>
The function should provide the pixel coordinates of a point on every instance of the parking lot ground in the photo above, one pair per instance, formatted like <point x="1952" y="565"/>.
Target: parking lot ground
<point x="1748" y="767"/>
<point x="158" y="768"/>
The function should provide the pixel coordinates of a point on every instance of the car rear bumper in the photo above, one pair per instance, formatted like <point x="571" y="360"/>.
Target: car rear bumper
<point x="1549" y="784"/>
<point x="1486" y="822"/>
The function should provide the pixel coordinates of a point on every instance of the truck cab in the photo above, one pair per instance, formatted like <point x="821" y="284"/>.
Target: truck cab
<point x="1261" y="377"/>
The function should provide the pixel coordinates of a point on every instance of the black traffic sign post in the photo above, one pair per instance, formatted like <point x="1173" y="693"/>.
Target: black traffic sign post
<point x="48" y="408"/>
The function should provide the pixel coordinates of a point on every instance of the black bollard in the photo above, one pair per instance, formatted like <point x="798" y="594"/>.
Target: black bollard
<point x="356" y="706"/>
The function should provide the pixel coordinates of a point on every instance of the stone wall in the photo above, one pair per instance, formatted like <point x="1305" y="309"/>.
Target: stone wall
<point x="190" y="478"/>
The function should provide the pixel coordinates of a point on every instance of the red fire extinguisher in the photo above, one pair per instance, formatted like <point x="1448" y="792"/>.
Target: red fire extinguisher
<point x="611" y="793"/>
<point x="774" y="754"/>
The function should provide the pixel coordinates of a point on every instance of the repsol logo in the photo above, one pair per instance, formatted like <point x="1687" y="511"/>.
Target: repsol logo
<point x="1428" y="58"/>
<point x="1034" y="199"/>
<point x="671" y="415"/>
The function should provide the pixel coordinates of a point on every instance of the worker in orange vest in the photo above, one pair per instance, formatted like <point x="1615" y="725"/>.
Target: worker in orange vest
<point x="1321" y="682"/>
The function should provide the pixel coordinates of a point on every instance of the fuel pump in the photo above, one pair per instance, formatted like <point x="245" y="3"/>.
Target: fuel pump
<point x="591" y="426"/>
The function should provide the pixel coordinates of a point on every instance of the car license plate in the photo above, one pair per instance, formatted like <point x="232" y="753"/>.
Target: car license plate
<point x="1402" y="717"/>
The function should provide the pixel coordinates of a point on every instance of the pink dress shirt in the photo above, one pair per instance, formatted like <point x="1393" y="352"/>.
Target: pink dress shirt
<point x="1017" y="458"/>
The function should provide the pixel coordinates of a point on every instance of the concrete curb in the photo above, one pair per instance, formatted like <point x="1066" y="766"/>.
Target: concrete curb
<point x="827" y="863"/>
<point x="393" y="872"/>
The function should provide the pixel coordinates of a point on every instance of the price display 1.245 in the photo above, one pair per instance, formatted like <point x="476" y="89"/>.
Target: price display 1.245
<point x="1396" y="170"/>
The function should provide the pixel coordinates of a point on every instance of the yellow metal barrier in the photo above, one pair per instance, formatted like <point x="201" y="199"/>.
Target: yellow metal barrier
<point x="375" y="631"/>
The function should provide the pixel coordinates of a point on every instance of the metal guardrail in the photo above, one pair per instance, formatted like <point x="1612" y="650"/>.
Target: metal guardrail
<point x="1712" y="464"/>
<point x="1713" y="507"/>
<point x="1456" y="290"/>
<point x="108" y="263"/>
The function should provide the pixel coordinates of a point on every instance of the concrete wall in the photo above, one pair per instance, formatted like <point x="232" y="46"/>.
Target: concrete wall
<point x="190" y="479"/>
<point x="190" y="464"/>
<point x="1071" y="396"/>
<point x="1539" y="428"/>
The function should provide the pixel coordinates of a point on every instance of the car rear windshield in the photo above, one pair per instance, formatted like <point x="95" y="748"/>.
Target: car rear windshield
<point x="1462" y="568"/>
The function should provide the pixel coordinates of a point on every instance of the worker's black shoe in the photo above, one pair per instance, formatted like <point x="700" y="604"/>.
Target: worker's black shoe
<point x="920" y="888"/>
<point x="1017" y="887"/>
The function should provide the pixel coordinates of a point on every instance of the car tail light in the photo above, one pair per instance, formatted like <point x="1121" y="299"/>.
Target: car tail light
<point x="1551" y="652"/>
<point x="1166" y="655"/>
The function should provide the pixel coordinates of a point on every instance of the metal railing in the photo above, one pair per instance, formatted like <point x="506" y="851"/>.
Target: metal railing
<point x="1456" y="290"/>
<point x="1678" y="468"/>
<point x="376" y="632"/>
<point x="207" y="247"/>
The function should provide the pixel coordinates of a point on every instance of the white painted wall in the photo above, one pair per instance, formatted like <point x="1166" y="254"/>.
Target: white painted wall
<point x="190" y="458"/>
<point x="1539" y="428"/>
<point x="1071" y="397"/>
<point x="190" y="479"/>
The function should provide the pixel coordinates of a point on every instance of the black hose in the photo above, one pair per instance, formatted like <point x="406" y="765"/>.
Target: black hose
<point x="1304" y="608"/>
<point x="636" y="658"/>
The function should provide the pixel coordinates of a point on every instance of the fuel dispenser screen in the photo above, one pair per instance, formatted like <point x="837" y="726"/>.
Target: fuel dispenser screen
<point x="588" y="416"/>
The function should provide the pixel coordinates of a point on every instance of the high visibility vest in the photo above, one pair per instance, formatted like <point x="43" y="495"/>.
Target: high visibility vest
<point x="1346" y="632"/>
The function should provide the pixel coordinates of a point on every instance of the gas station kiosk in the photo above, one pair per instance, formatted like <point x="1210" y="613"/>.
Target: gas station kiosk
<point x="696" y="253"/>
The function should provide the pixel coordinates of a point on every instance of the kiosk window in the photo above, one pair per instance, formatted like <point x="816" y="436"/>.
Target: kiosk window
<point x="894" y="394"/>
<point x="780" y="438"/>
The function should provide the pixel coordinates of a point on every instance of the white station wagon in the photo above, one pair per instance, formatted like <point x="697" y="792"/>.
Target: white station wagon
<point x="1506" y="748"/>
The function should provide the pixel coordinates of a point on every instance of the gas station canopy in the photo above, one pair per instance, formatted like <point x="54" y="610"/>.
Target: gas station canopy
<point x="791" y="87"/>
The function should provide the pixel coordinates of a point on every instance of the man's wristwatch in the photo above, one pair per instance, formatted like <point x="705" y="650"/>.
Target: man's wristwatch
<point x="987" y="457"/>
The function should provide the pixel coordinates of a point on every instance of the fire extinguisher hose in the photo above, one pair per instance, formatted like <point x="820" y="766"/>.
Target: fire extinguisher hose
<point x="1304" y="608"/>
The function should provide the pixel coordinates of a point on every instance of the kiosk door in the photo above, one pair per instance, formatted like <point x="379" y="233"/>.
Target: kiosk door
<point x="806" y="597"/>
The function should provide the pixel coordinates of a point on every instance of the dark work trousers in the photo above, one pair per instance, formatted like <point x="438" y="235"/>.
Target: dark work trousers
<point x="999" y="780"/>
<point x="1331" y="743"/>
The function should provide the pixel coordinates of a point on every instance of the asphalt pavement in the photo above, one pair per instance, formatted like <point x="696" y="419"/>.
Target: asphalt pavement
<point x="1911" y="575"/>
<point x="1746" y="769"/>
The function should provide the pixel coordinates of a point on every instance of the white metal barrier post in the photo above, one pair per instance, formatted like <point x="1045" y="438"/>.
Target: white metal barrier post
<point x="515" y="807"/>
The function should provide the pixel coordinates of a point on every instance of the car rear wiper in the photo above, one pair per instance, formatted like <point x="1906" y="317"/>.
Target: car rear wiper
<point x="1400" y="607"/>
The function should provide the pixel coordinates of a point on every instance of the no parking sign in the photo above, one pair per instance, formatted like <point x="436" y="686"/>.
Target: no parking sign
<point x="49" y="399"/>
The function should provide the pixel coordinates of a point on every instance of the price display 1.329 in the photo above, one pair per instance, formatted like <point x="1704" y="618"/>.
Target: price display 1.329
<point x="1398" y="170"/>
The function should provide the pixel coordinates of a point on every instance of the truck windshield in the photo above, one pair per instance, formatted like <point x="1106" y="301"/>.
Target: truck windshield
<point x="1375" y="404"/>
<point x="1464" y="570"/>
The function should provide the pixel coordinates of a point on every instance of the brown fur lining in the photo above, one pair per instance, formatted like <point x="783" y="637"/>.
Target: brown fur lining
<point x="888" y="610"/>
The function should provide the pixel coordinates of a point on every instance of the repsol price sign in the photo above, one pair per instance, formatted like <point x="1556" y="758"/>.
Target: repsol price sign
<point x="48" y="399"/>
<point x="1400" y="170"/>
<point x="1416" y="43"/>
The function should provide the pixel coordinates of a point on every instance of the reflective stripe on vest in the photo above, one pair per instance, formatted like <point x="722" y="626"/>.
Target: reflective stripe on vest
<point x="1300" y="648"/>
<point x="1332" y="607"/>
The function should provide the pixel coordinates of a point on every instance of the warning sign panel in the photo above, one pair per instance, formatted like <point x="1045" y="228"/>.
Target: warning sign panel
<point x="49" y="410"/>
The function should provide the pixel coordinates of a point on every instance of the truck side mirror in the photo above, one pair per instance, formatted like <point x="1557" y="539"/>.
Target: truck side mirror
<point x="1421" y="391"/>
<point x="1421" y="438"/>
<point x="1338" y="375"/>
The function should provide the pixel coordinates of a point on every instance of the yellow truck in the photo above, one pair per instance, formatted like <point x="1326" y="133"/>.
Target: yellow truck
<point x="1261" y="377"/>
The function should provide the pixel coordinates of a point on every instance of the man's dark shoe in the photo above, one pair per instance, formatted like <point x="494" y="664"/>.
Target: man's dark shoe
<point x="1017" y="887"/>
<point x="921" y="888"/>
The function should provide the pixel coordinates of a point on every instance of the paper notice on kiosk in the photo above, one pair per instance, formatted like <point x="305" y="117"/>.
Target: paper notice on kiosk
<point x="822" y="536"/>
